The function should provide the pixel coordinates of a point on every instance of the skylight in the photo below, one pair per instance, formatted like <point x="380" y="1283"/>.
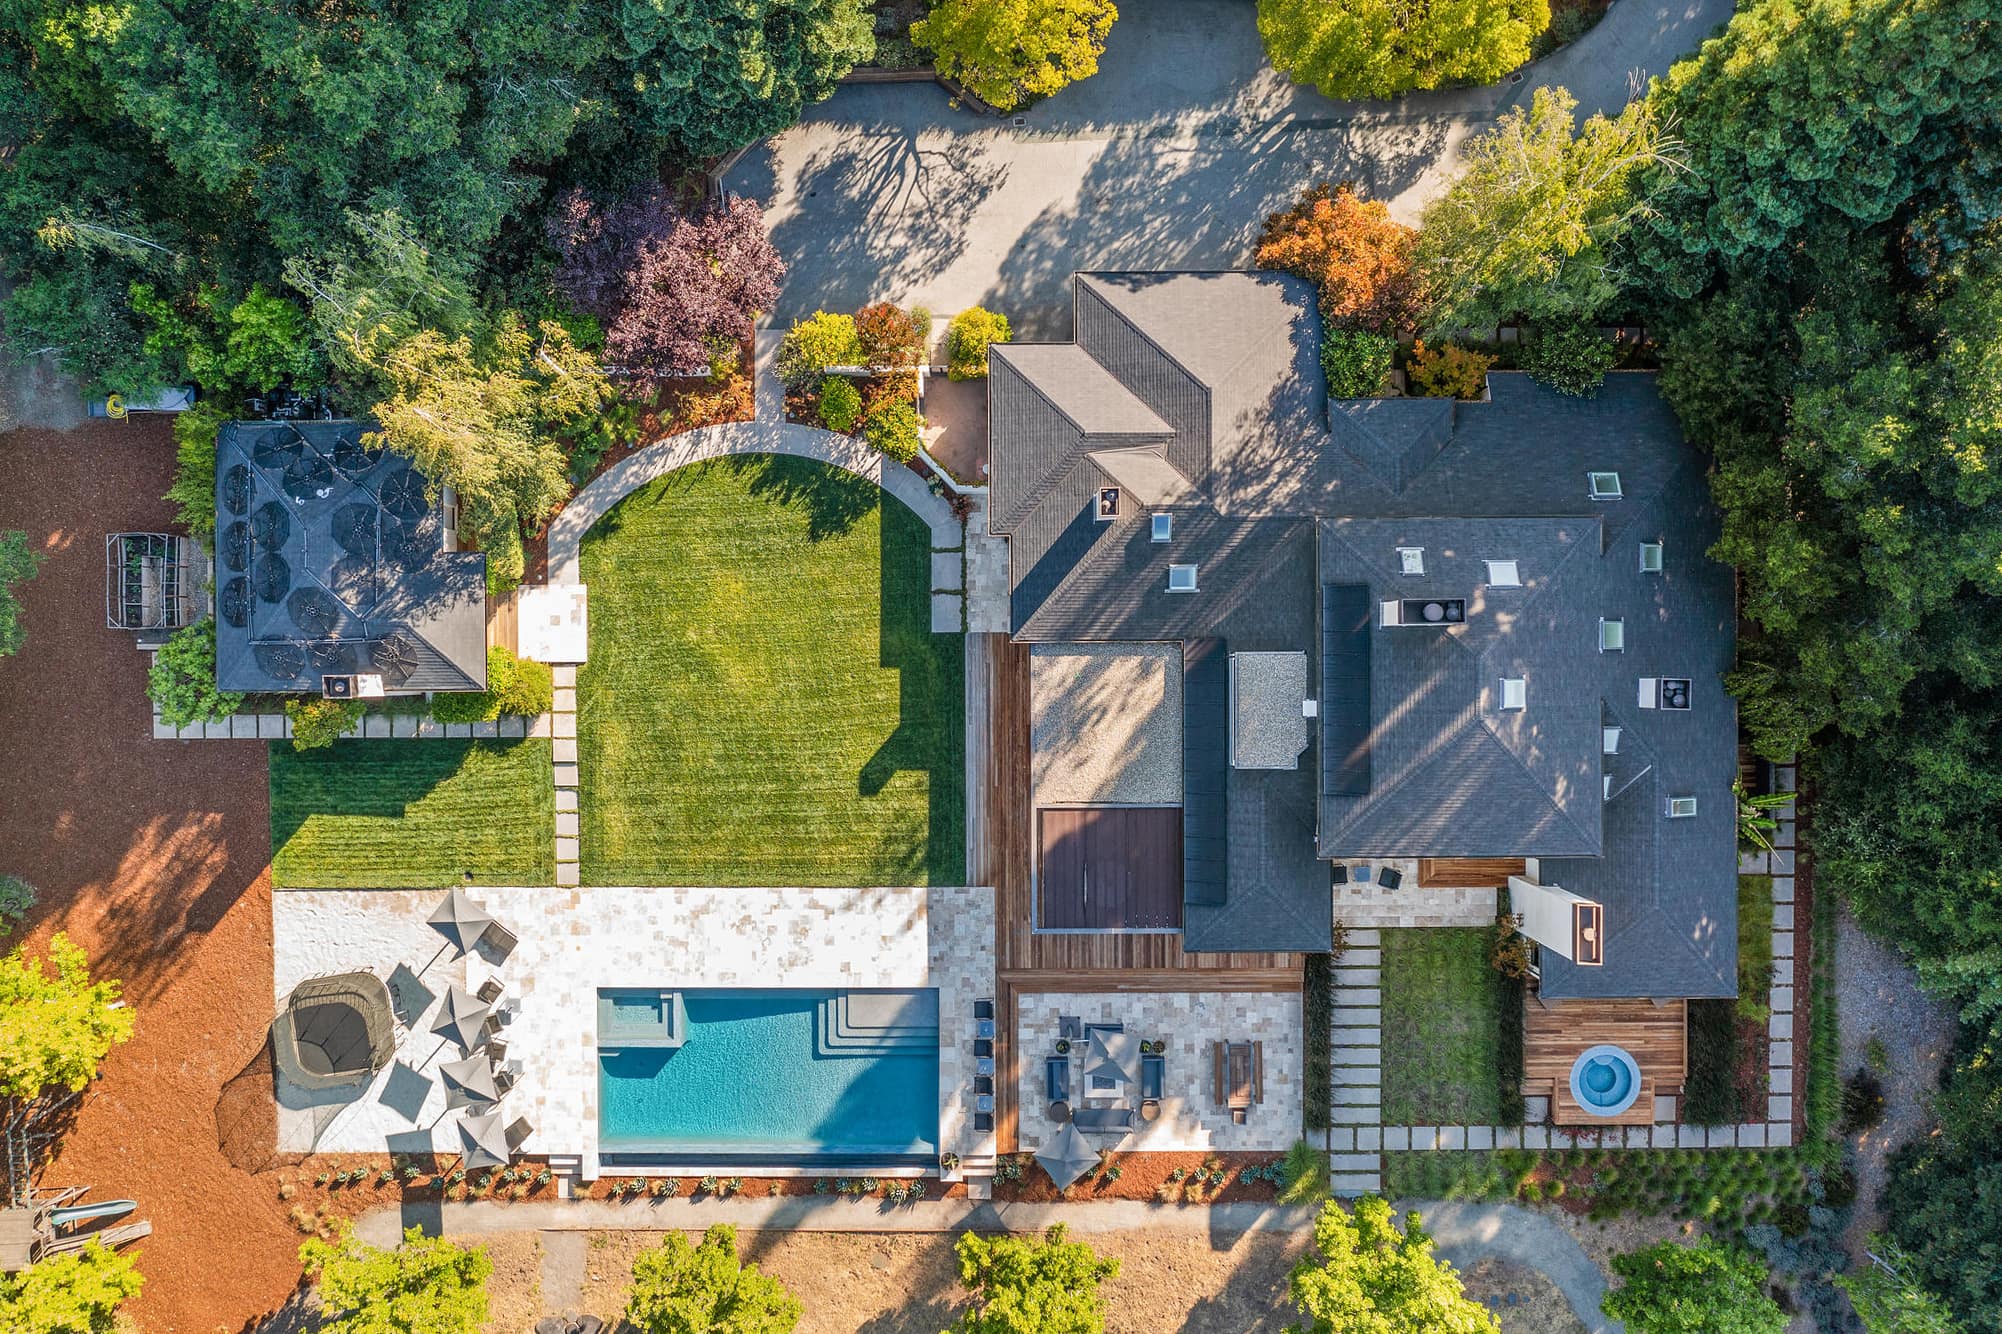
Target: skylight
<point x="1612" y="635"/>
<point x="1650" y="558"/>
<point x="1503" y="574"/>
<point x="1681" y="808"/>
<point x="1164" y="527"/>
<point x="1181" y="578"/>
<point x="1604" y="485"/>
<point x="1609" y="740"/>
<point x="1514" y="692"/>
<point x="1411" y="560"/>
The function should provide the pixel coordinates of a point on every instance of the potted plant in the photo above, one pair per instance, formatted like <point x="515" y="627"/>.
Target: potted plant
<point x="1063" y="1046"/>
<point x="948" y="1162"/>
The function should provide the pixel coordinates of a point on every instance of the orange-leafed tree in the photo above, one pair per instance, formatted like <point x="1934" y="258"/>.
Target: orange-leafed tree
<point x="1350" y="248"/>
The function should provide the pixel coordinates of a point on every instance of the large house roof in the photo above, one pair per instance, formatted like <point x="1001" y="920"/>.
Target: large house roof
<point x="331" y="560"/>
<point x="1293" y="510"/>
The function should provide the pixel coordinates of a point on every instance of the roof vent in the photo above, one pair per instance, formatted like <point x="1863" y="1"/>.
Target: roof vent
<point x="1503" y="574"/>
<point x="1181" y="578"/>
<point x="1650" y="558"/>
<point x="1681" y="808"/>
<point x="1612" y="635"/>
<point x="1514" y="692"/>
<point x="1411" y="560"/>
<point x="1163" y="527"/>
<point x="1107" y="507"/>
<point x="1675" y="692"/>
<point x="1604" y="485"/>
<point x="1432" y="611"/>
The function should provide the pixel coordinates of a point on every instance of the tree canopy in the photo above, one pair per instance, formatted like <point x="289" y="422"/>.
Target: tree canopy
<point x="55" y="1027"/>
<point x="1007" y="52"/>
<point x="1707" y="1288"/>
<point x="1031" y="1285"/>
<point x="427" y="1285"/>
<point x="680" y="1288"/>
<point x="1354" y="253"/>
<point x="75" y="1293"/>
<point x="1365" y="1276"/>
<point x="1380" y="48"/>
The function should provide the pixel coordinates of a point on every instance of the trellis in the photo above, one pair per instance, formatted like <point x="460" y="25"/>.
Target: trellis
<point x="151" y="581"/>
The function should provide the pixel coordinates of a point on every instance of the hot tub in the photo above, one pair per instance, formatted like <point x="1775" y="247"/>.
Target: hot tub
<point x="1605" y="1080"/>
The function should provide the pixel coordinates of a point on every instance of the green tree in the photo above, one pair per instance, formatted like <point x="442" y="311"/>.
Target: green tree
<point x="1889" y="1303"/>
<point x="1031" y="1285"/>
<point x="1364" y="1276"/>
<point x="679" y="1288"/>
<point x="182" y="680"/>
<point x="814" y="344"/>
<point x="55" y="1029"/>
<point x="1380" y="48"/>
<point x="967" y="339"/>
<point x="1007" y="52"/>
<point x="318" y="722"/>
<point x="76" y="1293"/>
<point x="1707" y="1288"/>
<point x="18" y="563"/>
<point x="427" y="1285"/>
<point x="193" y="491"/>
<point x="1571" y="358"/>
<point x="712" y="75"/>
<point x="1534" y="223"/>
<point x="1942" y="1200"/>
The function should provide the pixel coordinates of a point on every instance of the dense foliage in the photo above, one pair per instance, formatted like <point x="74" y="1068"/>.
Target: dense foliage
<point x="516" y="688"/>
<point x="840" y="403"/>
<point x="193" y="490"/>
<point x="55" y="1028"/>
<point x="181" y="681"/>
<point x="892" y="338"/>
<point x="672" y="287"/>
<point x="1007" y="52"/>
<point x="1448" y="371"/>
<point x="427" y="1285"/>
<point x="892" y="427"/>
<point x="1356" y="361"/>
<point x="18" y="563"/>
<point x="1572" y="357"/>
<point x="1031" y="1285"/>
<point x="318" y="722"/>
<point x="1354" y="252"/>
<point x="1889" y="1302"/>
<point x="682" y="1288"/>
<point x="1380" y="48"/>
<point x="1364" y="1275"/>
<point x="1706" y="1288"/>
<point x="75" y="1293"/>
<point x="17" y="897"/>
<point x="813" y="345"/>
<point x="967" y="339"/>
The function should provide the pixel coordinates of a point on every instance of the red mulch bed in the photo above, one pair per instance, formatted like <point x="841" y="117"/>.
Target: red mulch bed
<point x="154" y="856"/>
<point x="1148" y="1176"/>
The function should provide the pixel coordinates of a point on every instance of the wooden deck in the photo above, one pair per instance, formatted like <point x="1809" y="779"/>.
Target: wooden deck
<point x="504" y="622"/>
<point x="1467" y="872"/>
<point x="1555" y="1033"/>
<point x="1028" y="961"/>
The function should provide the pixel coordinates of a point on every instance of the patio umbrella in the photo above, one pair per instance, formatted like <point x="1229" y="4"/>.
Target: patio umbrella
<point x="1066" y="1156"/>
<point x="483" y="1141"/>
<point x="469" y="1083"/>
<point x="1113" y="1055"/>
<point x="460" y="919"/>
<point x="462" y="1018"/>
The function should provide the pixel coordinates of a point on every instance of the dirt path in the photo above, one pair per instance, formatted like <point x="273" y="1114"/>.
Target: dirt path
<point x="153" y="856"/>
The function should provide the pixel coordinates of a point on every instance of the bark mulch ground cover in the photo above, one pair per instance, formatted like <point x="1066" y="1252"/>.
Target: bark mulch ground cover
<point x="154" y="856"/>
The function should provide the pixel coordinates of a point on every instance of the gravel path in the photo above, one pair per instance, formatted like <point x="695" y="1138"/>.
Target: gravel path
<point x="1878" y="996"/>
<point x="1467" y="1233"/>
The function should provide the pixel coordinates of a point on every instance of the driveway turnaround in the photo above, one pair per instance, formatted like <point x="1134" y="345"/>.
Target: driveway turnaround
<point x="1467" y="1233"/>
<point x="1169" y="158"/>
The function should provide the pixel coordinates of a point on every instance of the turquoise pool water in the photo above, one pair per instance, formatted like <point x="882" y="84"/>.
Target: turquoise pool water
<point x="754" y="1076"/>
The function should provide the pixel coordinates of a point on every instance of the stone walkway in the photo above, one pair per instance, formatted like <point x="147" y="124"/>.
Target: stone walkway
<point x="1355" y="1163"/>
<point x="563" y="720"/>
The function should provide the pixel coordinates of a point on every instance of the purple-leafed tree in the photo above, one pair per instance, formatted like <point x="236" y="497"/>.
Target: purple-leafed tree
<point x="672" y="288"/>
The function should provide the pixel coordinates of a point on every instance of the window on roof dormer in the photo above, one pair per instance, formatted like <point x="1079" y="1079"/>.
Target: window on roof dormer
<point x="1503" y="574"/>
<point x="1411" y="560"/>
<point x="1650" y="558"/>
<point x="1107" y="508"/>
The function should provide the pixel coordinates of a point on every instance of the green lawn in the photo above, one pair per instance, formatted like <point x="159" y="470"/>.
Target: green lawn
<point x="1441" y="1028"/>
<point x="765" y="703"/>
<point x="385" y="814"/>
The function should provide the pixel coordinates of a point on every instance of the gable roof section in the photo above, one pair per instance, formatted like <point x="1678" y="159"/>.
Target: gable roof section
<point x="1049" y="405"/>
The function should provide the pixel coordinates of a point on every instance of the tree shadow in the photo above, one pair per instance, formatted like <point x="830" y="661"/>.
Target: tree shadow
<point x="834" y="500"/>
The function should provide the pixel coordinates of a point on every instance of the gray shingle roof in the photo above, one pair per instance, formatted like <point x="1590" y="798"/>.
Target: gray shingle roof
<point x="1293" y="505"/>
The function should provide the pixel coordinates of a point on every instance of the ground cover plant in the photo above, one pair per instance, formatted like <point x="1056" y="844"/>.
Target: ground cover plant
<point x="765" y="702"/>
<point x="1441" y="1028"/>
<point x="17" y="565"/>
<point x="385" y="813"/>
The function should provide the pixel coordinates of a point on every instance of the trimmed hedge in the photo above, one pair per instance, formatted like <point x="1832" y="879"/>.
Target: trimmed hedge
<point x="1317" y="997"/>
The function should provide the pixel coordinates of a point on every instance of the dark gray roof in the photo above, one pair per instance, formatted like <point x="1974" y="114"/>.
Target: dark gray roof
<point x="1292" y="509"/>
<point x="330" y="560"/>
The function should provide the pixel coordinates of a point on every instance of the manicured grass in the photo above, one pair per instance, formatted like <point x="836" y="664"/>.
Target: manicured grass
<point x="388" y="814"/>
<point x="1727" y="1038"/>
<point x="765" y="702"/>
<point x="1441" y="1028"/>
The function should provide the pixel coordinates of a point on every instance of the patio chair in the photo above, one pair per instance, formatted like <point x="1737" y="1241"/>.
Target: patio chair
<point x="1153" y="1074"/>
<point x="499" y="939"/>
<point x="1057" y="1078"/>
<point x="489" y="992"/>
<point x="496" y="1051"/>
<point x="503" y="1081"/>
<point x="1341" y="875"/>
<point x="1102" y="1118"/>
<point x="517" y="1132"/>
<point x="1390" y="877"/>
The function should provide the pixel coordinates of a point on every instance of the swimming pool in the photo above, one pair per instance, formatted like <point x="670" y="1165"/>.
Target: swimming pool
<point x="771" y="1075"/>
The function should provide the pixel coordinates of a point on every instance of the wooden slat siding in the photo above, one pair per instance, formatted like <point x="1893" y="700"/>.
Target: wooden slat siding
<point x="1160" y="979"/>
<point x="1467" y="872"/>
<point x="1556" y="1033"/>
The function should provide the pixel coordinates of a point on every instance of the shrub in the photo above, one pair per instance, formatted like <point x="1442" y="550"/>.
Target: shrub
<point x="1355" y="255"/>
<point x="1862" y="1103"/>
<point x="967" y="339"/>
<point x="893" y="428"/>
<point x="318" y="723"/>
<point x="1318" y="998"/>
<point x="1570" y="358"/>
<point x="16" y="897"/>
<point x="1508" y="950"/>
<point x="516" y="687"/>
<point x="840" y="404"/>
<point x="1007" y="52"/>
<point x="1450" y="371"/>
<point x="1377" y="48"/>
<point x="182" y="679"/>
<point x="891" y="338"/>
<point x="507" y="560"/>
<point x="616" y="425"/>
<point x="1713" y="1044"/>
<point x="431" y="1283"/>
<point x="813" y="345"/>
<point x="193" y="491"/>
<point x="679" y="1288"/>
<point x="1023" y="1284"/>
<point x="17" y="563"/>
<point x="55" y="1029"/>
<point x="77" y="1293"/>
<point x="1707" y="1288"/>
<point x="1356" y="362"/>
<point x="1303" y="1177"/>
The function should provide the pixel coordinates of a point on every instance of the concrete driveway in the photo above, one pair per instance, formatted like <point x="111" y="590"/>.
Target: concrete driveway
<point x="1170" y="157"/>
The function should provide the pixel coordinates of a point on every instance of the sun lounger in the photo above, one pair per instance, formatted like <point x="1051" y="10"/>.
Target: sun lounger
<point x="1057" y="1078"/>
<point x="1153" y="1074"/>
<point x="519" y="1131"/>
<point x="1102" y="1118"/>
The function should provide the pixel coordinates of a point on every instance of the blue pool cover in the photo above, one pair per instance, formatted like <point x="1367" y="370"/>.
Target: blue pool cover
<point x="756" y="1077"/>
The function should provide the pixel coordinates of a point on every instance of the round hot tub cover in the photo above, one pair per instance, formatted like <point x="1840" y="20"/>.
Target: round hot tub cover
<point x="335" y="1031"/>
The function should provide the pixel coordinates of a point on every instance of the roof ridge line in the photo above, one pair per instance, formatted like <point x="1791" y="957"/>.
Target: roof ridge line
<point x="1535" y="783"/>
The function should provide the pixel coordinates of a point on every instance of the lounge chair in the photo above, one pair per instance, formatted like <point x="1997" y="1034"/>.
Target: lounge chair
<point x="983" y="1083"/>
<point x="1057" y="1078"/>
<point x="983" y="1123"/>
<point x="983" y="1047"/>
<point x="1153" y="1074"/>
<point x="518" y="1132"/>
<point x="1102" y="1118"/>
<point x="490" y="991"/>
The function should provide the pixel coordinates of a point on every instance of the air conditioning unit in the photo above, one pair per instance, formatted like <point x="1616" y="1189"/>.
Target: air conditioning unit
<point x="1425" y="612"/>
<point x="339" y="687"/>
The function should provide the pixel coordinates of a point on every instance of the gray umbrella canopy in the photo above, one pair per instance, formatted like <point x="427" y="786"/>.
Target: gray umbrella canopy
<point x="460" y="919"/>
<point x="469" y="1083"/>
<point x="462" y="1018"/>
<point x="483" y="1141"/>
<point x="1116" y="1055"/>
<point x="1066" y="1156"/>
